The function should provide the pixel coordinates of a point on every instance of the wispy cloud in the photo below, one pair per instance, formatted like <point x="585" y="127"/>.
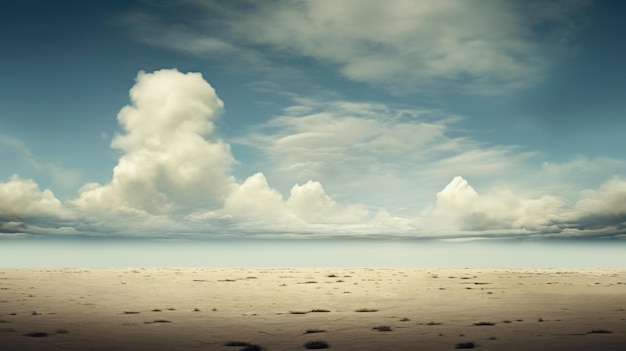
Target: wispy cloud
<point x="61" y="176"/>
<point x="369" y="150"/>
<point x="484" y="48"/>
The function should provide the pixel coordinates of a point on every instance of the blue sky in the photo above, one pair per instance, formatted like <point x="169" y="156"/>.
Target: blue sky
<point x="198" y="119"/>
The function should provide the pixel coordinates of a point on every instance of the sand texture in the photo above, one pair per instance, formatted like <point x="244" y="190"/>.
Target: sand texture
<point x="282" y="309"/>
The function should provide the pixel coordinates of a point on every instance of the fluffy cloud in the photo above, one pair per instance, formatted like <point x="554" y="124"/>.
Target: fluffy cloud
<point x="25" y="209"/>
<point x="171" y="159"/>
<point x="307" y="204"/>
<point x="603" y="209"/>
<point x="460" y="208"/>
<point x="490" y="49"/>
<point x="173" y="176"/>
<point x="21" y="198"/>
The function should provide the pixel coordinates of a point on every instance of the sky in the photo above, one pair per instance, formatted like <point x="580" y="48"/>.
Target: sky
<point x="444" y="120"/>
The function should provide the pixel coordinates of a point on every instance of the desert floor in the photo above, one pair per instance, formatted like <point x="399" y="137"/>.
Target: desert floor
<point x="282" y="309"/>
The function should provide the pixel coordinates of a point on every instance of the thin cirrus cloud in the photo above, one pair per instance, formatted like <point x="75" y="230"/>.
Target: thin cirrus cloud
<point x="485" y="48"/>
<point x="174" y="177"/>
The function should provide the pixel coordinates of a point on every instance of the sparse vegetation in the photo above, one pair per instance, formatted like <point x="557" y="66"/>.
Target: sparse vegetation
<point x="383" y="328"/>
<point x="479" y="324"/>
<point x="62" y="331"/>
<point x="131" y="312"/>
<point x="366" y="310"/>
<point x="297" y="312"/>
<point x="252" y="347"/>
<point x="599" y="331"/>
<point x="316" y="344"/>
<point x="404" y="319"/>
<point x="236" y="343"/>
<point x="319" y="310"/>
<point x="158" y="321"/>
<point x="313" y="331"/>
<point x="465" y="345"/>
<point x="433" y="323"/>
<point x="37" y="334"/>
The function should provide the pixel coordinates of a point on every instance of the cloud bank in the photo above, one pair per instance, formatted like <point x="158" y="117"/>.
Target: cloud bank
<point x="174" y="177"/>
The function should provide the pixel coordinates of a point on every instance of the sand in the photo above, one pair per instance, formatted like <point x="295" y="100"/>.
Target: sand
<point x="203" y="309"/>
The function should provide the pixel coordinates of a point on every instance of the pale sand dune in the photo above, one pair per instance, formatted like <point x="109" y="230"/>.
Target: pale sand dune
<point x="201" y="309"/>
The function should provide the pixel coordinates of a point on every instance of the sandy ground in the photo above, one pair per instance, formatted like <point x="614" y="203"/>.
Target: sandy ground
<point x="202" y="309"/>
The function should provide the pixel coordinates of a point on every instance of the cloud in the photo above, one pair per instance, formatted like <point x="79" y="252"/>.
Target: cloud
<point x="21" y="157"/>
<point x="254" y="199"/>
<point x="307" y="204"/>
<point x="460" y="208"/>
<point x="173" y="177"/>
<point x="363" y="151"/>
<point x="402" y="44"/>
<point x="601" y="210"/>
<point x="21" y="198"/>
<point x="171" y="158"/>
<point x="26" y="210"/>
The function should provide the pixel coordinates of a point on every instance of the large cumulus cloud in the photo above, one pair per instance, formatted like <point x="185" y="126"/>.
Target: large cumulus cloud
<point x="171" y="158"/>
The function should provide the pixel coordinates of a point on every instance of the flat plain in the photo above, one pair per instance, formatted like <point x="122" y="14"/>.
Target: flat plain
<point x="300" y="308"/>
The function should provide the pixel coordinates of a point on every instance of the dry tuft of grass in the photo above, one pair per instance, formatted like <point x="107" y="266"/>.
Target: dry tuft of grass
<point x="479" y="324"/>
<point x="366" y="310"/>
<point x="319" y="310"/>
<point x="599" y="331"/>
<point x="465" y="345"/>
<point x="37" y="334"/>
<point x="236" y="343"/>
<point x="313" y="331"/>
<point x="316" y="344"/>
<point x="383" y="328"/>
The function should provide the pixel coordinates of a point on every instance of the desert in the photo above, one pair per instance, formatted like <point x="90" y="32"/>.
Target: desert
<point x="305" y="308"/>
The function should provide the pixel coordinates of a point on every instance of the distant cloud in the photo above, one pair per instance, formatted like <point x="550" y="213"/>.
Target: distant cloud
<point x="174" y="177"/>
<point x="21" y="198"/>
<point x="24" y="157"/>
<point x="371" y="150"/>
<point x="484" y="48"/>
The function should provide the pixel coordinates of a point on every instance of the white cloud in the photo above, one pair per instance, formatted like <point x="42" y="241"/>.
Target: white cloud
<point x="609" y="200"/>
<point x="21" y="198"/>
<point x="254" y="199"/>
<point x="174" y="176"/>
<point x="491" y="48"/>
<point x="460" y="208"/>
<point x="307" y="204"/>
<point x="362" y="152"/>
<point x="171" y="158"/>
